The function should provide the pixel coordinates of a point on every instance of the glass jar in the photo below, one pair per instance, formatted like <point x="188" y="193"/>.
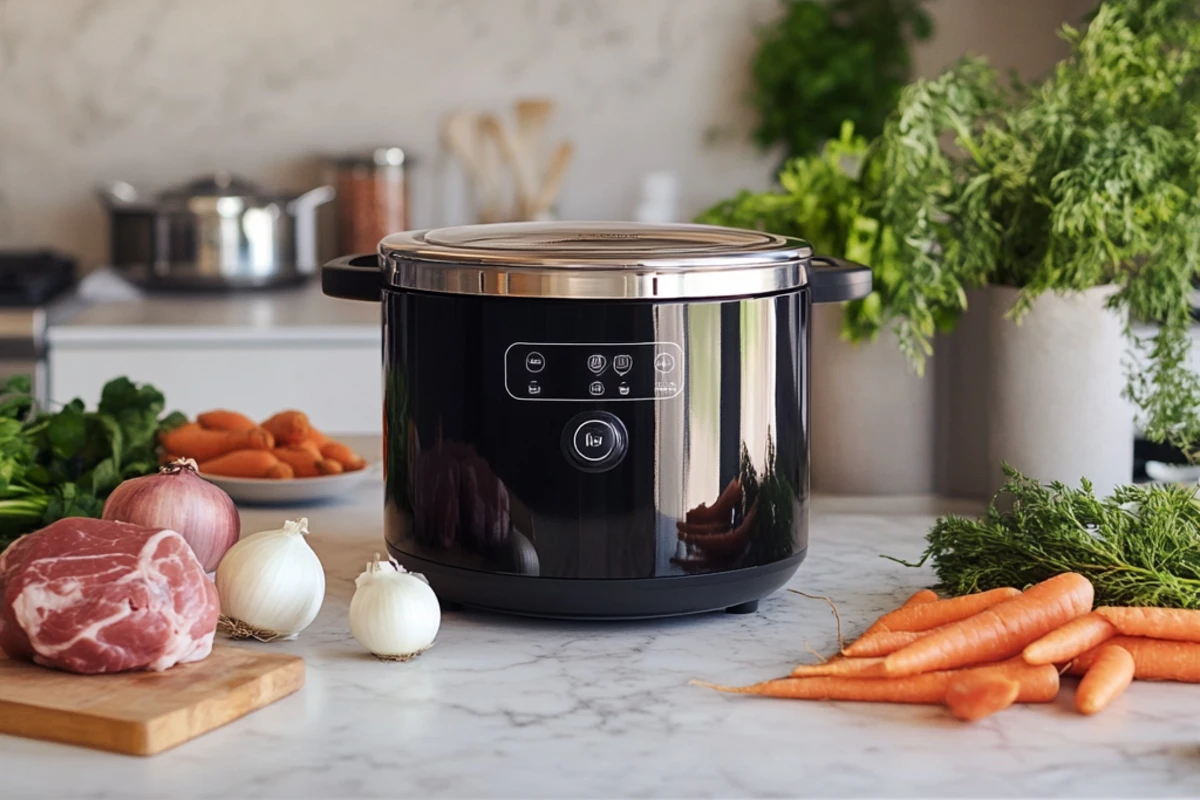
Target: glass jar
<point x="372" y="198"/>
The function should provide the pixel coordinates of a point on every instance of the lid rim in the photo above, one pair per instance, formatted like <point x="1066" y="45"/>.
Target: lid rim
<point x="595" y="261"/>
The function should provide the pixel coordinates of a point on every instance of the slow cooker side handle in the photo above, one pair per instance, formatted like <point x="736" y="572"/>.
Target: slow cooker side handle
<point x="356" y="277"/>
<point x="835" y="280"/>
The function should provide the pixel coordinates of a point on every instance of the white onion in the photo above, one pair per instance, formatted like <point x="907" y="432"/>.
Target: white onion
<point x="394" y="613"/>
<point x="178" y="498"/>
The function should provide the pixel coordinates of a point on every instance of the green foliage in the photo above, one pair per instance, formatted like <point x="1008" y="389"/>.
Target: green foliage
<point x="824" y="63"/>
<point x="65" y="463"/>
<point x="1089" y="178"/>
<point x="1141" y="546"/>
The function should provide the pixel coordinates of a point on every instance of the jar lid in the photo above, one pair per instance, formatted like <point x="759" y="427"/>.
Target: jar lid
<point x="595" y="260"/>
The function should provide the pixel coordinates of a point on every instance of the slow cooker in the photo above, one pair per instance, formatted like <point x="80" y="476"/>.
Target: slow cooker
<point x="599" y="420"/>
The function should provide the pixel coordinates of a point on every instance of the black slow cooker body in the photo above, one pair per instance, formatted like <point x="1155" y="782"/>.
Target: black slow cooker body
<point x="543" y="455"/>
<point x="598" y="420"/>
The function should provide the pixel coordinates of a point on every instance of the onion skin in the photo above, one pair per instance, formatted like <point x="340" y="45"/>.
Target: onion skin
<point x="179" y="499"/>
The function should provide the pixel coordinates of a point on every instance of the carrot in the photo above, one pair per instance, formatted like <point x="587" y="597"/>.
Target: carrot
<point x="925" y="616"/>
<point x="1037" y="685"/>
<point x="342" y="454"/>
<point x="998" y="632"/>
<point x="1179" y="624"/>
<point x="1153" y="659"/>
<point x="281" y="471"/>
<point x="318" y="438"/>
<point x="302" y="461"/>
<point x="919" y="597"/>
<point x="722" y="509"/>
<point x="845" y="667"/>
<point x="330" y="467"/>
<point x="1077" y="636"/>
<point x="1109" y="675"/>
<point x="221" y="419"/>
<point x="883" y="643"/>
<point x="289" y="427"/>
<point x="973" y="697"/>
<point x="241" y="464"/>
<point x="192" y="441"/>
<point x="309" y="447"/>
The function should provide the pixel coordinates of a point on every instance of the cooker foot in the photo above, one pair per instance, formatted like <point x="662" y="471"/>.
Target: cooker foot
<point x="748" y="607"/>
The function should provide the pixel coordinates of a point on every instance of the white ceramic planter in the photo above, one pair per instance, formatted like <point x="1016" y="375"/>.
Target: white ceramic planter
<point x="1055" y="410"/>
<point x="872" y="419"/>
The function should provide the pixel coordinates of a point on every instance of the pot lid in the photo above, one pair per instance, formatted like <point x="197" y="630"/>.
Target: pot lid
<point x="595" y="260"/>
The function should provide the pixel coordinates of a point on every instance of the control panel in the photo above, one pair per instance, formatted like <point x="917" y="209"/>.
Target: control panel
<point x="583" y="372"/>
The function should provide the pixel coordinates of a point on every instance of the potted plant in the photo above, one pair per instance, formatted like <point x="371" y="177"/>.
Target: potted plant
<point x="1075" y="201"/>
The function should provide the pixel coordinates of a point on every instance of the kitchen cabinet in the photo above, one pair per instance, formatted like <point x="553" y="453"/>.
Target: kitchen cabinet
<point x="256" y="353"/>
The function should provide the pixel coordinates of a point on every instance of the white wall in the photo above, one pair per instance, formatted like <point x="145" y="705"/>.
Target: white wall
<point x="154" y="91"/>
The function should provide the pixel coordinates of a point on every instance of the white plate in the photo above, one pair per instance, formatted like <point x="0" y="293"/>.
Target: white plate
<point x="294" y="491"/>
<point x="1173" y="473"/>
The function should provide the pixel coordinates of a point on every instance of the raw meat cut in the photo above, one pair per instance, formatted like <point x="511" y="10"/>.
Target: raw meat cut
<point x="90" y="595"/>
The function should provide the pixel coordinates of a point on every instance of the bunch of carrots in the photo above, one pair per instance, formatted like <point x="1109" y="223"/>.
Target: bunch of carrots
<point x="980" y="653"/>
<point x="284" y="446"/>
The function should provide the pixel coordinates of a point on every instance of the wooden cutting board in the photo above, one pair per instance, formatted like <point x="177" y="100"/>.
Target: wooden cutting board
<point x="143" y="713"/>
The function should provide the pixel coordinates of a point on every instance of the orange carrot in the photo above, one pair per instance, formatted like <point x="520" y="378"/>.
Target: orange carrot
<point x="241" y="464"/>
<point x="342" y="454"/>
<point x="289" y="427"/>
<point x="309" y="447"/>
<point x="281" y="471"/>
<point x="973" y="697"/>
<point x="1077" y="636"/>
<point x="925" y="616"/>
<point x="1153" y="659"/>
<point x="918" y="597"/>
<point x="882" y="643"/>
<point x="845" y="667"/>
<point x="330" y="467"/>
<point x="302" y="461"/>
<point x="221" y="419"/>
<point x="997" y="632"/>
<point x="1179" y="624"/>
<point x="192" y="441"/>
<point x="1109" y="675"/>
<point x="1037" y="685"/>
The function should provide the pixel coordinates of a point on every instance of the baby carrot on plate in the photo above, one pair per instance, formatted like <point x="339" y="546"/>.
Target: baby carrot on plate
<point x="998" y="632"/>
<point x="350" y="460"/>
<point x="1109" y="675"/>
<point x="221" y="419"/>
<point x="975" y="696"/>
<point x="1077" y="636"/>
<point x="289" y="427"/>
<point x="193" y="441"/>
<point x="241" y="464"/>
<point x="1160" y="623"/>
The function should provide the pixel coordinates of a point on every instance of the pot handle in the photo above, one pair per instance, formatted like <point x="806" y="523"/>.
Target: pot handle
<point x="355" y="277"/>
<point x="835" y="280"/>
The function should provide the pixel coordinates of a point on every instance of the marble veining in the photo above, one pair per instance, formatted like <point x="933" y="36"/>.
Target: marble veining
<point x="508" y="707"/>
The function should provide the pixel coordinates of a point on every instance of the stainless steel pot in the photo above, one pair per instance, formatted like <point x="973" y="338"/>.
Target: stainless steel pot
<point x="218" y="232"/>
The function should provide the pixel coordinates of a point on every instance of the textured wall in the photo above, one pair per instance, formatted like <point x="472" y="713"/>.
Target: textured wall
<point x="154" y="91"/>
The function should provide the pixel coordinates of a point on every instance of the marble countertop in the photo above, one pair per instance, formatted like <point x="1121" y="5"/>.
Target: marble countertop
<point x="106" y="311"/>
<point x="509" y="707"/>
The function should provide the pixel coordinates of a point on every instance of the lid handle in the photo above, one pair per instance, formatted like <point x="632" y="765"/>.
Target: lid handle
<point x="835" y="280"/>
<point x="356" y="277"/>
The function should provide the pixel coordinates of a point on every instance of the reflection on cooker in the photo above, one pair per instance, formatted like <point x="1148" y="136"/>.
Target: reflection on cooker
<point x="749" y="524"/>
<point x="462" y="510"/>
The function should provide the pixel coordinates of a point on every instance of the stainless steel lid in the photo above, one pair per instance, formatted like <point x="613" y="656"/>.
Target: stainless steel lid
<point x="595" y="261"/>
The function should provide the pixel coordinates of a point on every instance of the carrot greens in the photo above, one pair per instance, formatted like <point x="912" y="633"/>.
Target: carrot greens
<point x="1139" y="547"/>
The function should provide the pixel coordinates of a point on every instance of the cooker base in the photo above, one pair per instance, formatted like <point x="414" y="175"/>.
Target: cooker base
<point x="737" y="591"/>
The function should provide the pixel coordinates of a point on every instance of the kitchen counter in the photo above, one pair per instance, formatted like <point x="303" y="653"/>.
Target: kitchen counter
<point x="509" y="707"/>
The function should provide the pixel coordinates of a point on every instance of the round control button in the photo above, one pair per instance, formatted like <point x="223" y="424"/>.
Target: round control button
<point x="535" y="362"/>
<point x="595" y="441"/>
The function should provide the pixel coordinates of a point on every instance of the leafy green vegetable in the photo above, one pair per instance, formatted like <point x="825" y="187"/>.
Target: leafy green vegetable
<point x="823" y="63"/>
<point x="65" y="463"/>
<point x="1141" y="546"/>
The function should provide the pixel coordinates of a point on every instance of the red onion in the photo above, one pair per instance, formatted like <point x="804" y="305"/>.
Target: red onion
<point x="179" y="499"/>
